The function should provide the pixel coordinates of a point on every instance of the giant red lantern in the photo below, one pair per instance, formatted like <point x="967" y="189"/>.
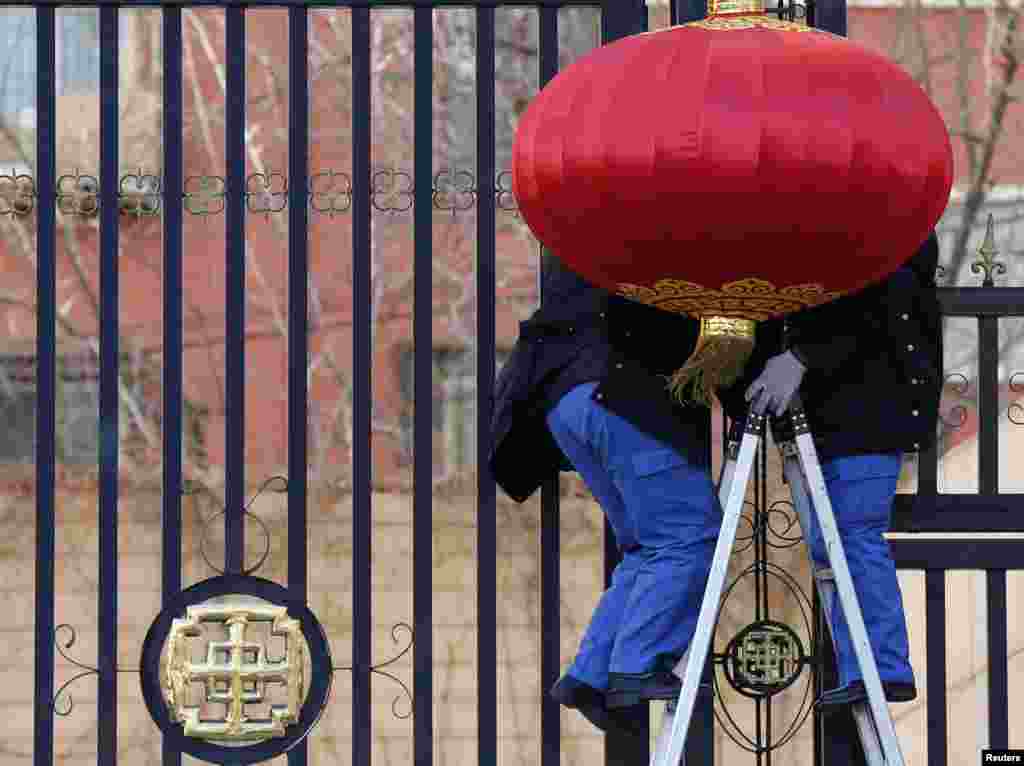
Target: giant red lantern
<point x="735" y="169"/>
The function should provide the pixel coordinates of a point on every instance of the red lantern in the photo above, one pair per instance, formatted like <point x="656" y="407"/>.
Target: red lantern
<point x="735" y="169"/>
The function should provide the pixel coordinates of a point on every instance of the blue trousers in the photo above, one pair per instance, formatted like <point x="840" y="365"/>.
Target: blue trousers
<point x="861" y="488"/>
<point x="666" y="516"/>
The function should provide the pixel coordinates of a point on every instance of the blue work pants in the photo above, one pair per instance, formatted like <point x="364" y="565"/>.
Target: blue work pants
<point x="666" y="516"/>
<point x="861" y="488"/>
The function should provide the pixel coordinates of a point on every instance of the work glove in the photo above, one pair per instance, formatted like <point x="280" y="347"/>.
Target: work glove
<point x="775" y="386"/>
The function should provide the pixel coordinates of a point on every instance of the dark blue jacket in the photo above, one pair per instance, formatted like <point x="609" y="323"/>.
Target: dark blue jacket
<point x="583" y="334"/>
<point x="874" y="359"/>
<point x="873" y="382"/>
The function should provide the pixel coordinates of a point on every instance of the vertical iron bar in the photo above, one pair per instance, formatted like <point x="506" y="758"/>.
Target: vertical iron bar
<point x="46" y="357"/>
<point x="362" y="360"/>
<point x="835" y="734"/>
<point x="988" y="405"/>
<point x="928" y="458"/>
<point x="817" y="676"/>
<point x="298" y="279"/>
<point x="234" y="140"/>
<point x="683" y="11"/>
<point x="172" y="378"/>
<point x="550" y="511"/>
<point x="935" y="640"/>
<point x="928" y="470"/>
<point x="486" y="526"/>
<point x="423" y="344"/>
<point x="109" y="374"/>
<point x="998" y="714"/>
<point x="830" y="15"/>
<point x="298" y="312"/>
<point x="619" y="19"/>
<point x="988" y="483"/>
<point x="700" y="744"/>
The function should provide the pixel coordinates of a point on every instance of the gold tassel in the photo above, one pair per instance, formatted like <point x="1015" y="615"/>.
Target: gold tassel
<point x="723" y="348"/>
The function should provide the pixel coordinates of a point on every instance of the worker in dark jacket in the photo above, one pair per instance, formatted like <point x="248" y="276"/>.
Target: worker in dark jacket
<point x="869" y="370"/>
<point x="585" y="389"/>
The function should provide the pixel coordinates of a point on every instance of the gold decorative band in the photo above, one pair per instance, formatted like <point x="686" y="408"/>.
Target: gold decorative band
<point x="722" y="7"/>
<point x="730" y="22"/>
<point x="727" y="326"/>
<point x="752" y="298"/>
<point x="742" y="20"/>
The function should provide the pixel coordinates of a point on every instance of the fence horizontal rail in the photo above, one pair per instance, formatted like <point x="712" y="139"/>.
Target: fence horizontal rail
<point x="956" y="553"/>
<point x="981" y="301"/>
<point x="958" y="512"/>
<point x="311" y="3"/>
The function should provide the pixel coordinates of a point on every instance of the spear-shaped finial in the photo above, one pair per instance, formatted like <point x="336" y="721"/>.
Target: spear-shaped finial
<point x="988" y="251"/>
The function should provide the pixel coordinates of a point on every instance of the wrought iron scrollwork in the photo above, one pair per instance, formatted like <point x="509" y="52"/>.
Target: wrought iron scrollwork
<point x="759" y="692"/>
<point x="17" y="194"/>
<point x="504" y="199"/>
<point x="87" y="670"/>
<point x="325" y="191"/>
<point x="775" y="516"/>
<point x="775" y="525"/>
<point x="454" y="197"/>
<point x="959" y="410"/>
<point x="78" y="194"/>
<point x="377" y="669"/>
<point x="397" y="194"/>
<point x="1015" y="410"/>
<point x="245" y="511"/>
<point x="205" y="195"/>
<point x="744" y="539"/>
<point x="266" y="193"/>
<point x="139" y="194"/>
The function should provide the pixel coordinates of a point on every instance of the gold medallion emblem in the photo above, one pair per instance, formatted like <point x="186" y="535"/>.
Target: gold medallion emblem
<point x="234" y="673"/>
<point x="768" y="657"/>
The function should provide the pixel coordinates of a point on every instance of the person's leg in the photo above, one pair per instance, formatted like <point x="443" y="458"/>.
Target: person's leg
<point x="861" y="490"/>
<point x="582" y="438"/>
<point x="674" y="512"/>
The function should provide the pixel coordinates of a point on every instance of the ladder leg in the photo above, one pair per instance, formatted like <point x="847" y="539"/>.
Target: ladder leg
<point x="670" y="748"/>
<point x="813" y="483"/>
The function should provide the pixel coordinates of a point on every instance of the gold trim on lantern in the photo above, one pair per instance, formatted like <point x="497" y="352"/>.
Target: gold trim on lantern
<point x="722" y="7"/>
<point x="727" y="327"/>
<point x="751" y="298"/>
<point x="730" y="22"/>
<point x="740" y="14"/>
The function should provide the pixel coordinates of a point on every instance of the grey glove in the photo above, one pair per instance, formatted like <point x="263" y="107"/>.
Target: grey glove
<point x="775" y="386"/>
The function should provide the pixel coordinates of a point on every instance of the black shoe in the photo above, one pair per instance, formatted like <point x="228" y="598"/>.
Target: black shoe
<point x="571" y="693"/>
<point x="855" y="692"/>
<point x="628" y="689"/>
<point x="590" y="702"/>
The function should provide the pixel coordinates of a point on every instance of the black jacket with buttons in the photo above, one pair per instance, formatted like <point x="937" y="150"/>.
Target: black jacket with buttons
<point x="874" y="363"/>
<point x="583" y="334"/>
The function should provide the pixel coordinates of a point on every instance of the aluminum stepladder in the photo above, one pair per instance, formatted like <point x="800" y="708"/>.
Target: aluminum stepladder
<point x="807" y="484"/>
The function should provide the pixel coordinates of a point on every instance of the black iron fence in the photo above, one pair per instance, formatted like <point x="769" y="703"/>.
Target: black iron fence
<point x="307" y="193"/>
